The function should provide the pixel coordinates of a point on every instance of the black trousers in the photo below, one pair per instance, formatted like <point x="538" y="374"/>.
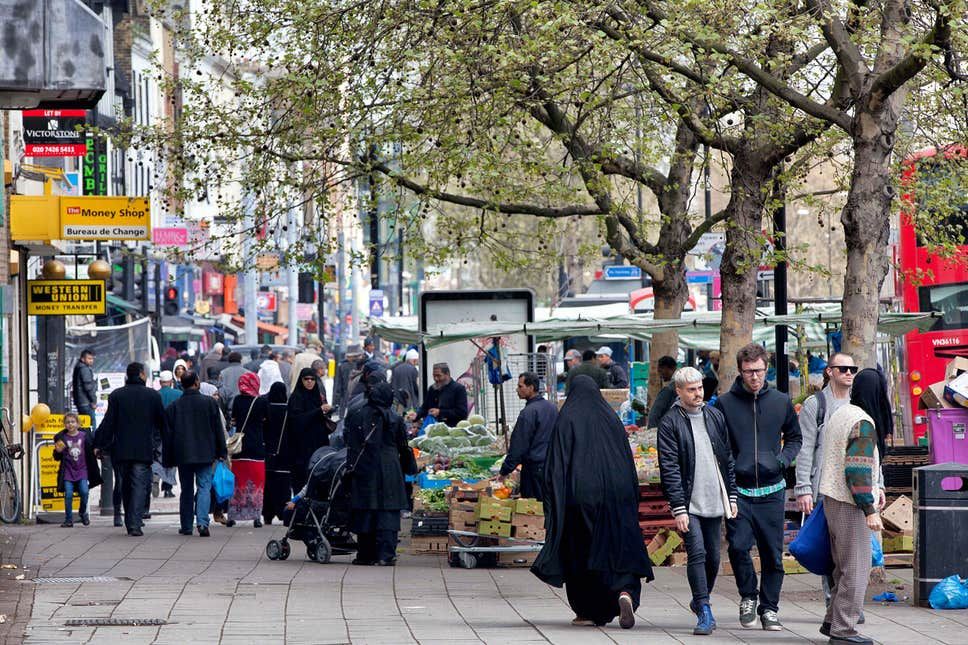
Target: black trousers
<point x="135" y="489"/>
<point x="702" y="548"/>
<point x="532" y="481"/>
<point x="760" y="522"/>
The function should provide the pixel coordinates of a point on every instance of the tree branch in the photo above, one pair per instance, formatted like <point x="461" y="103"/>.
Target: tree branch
<point x="848" y="54"/>
<point x="917" y="57"/>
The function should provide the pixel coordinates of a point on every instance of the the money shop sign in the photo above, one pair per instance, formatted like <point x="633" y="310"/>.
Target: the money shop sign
<point x="105" y="218"/>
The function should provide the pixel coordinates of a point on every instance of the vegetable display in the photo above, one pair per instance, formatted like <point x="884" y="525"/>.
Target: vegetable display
<point x="468" y="440"/>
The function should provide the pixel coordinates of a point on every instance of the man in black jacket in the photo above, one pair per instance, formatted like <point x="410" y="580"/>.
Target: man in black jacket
<point x="667" y="395"/>
<point x="446" y="399"/>
<point x="84" y="387"/>
<point x="696" y="464"/>
<point x="532" y="433"/>
<point x="131" y="432"/>
<point x="758" y="417"/>
<point x="193" y="442"/>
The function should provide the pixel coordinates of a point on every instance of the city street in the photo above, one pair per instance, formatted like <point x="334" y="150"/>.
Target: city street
<point x="224" y="590"/>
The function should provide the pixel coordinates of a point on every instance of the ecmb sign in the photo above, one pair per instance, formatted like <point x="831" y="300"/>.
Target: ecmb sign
<point x="65" y="297"/>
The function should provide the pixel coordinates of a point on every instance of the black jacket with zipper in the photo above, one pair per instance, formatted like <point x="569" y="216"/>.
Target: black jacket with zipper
<point x="756" y="423"/>
<point x="677" y="455"/>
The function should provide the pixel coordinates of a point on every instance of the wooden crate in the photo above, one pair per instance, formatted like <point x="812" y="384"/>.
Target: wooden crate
<point x="429" y="545"/>
<point x="900" y="514"/>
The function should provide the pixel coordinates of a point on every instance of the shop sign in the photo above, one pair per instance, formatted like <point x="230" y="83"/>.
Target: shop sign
<point x="267" y="261"/>
<point x="54" y="133"/>
<point x="50" y="499"/>
<point x="105" y="218"/>
<point x="94" y="166"/>
<point x="170" y="236"/>
<point x="213" y="283"/>
<point x="65" y="297"/>
<point x="266" y="301"/>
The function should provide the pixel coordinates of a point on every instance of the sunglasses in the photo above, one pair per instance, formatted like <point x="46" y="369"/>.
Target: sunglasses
<point x="845" y="368"/>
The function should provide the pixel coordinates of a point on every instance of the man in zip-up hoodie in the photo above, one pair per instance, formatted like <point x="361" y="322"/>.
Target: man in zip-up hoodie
<point x="696" y="464"/>
<point x="757" y="418"/>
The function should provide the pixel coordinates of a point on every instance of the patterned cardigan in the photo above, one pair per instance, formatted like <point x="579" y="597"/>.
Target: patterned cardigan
<point x="851" y="465"/>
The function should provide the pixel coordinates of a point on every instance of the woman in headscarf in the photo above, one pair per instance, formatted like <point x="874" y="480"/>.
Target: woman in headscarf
<point x="179" y="368"/>
<point x="594" y="546"/>
<point x="377" y="456"/>
<point x="853" y="493"/>
<point x="269" y="374"/>
<point x="306" y="425"/>
<point x="274" y="433"/>
<point x="248" y="466"/>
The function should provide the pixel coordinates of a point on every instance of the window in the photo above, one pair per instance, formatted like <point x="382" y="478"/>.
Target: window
<point x="951" y="300"/>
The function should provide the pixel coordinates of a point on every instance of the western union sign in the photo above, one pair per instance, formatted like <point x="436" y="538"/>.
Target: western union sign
<point x="105" y="218"/>
<point x="65" y="297"/>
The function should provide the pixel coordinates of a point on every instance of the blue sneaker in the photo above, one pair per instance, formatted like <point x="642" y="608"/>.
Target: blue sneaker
<point x="706" y="623"/>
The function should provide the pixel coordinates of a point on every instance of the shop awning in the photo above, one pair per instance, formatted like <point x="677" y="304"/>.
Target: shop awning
<point x="696" y="331"/>
<point x="123" y="305"/>
<point x="269" y="328"/>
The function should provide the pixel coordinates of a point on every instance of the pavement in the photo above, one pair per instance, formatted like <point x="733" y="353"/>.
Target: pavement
<point x="223" y="590"/>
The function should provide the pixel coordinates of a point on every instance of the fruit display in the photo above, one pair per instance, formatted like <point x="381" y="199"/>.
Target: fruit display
<point x="470" y="439"/>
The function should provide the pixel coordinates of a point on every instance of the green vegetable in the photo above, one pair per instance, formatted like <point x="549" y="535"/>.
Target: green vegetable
<point x="476" y="420"/>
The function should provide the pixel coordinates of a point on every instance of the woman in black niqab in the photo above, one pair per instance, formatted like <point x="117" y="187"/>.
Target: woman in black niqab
<point x="306" y="426"/>
<point x="594" y="545"/>
<point x="277" y="489"/>
<point x="869" y="393"/>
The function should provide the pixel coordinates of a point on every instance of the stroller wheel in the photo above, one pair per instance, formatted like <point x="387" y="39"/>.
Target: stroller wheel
<point x="467" y="560"/>
<point x="286" y="550"/>
<point x="320" y="551"/>
<point x="274" y="550"/>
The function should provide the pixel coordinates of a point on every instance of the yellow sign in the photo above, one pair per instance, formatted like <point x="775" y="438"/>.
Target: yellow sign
<point x="50" y="499"/>
<point x="105" y="218"/>
<point x="65" y="297"/>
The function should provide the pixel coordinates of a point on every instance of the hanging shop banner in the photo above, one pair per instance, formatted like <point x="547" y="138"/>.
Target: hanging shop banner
<point x="105" y="218"/>
<point x="65" y="297"/>
<point x="94" y="166"/>
<point x="54" y="133"/>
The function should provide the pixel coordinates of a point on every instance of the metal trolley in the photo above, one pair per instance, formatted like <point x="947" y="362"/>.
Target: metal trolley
<point x="469" y="553"/>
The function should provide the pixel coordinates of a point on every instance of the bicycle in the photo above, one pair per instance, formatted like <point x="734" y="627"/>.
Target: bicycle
<point x="9" y="488"/>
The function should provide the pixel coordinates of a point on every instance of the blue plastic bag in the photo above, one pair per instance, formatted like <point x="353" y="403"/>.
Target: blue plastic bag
<point x="223" y="482"/>
<point x="811" y="547"/>
<point x="950" y="593"/>
<point x="428" y="421"/>
<point x="877" y="553"/>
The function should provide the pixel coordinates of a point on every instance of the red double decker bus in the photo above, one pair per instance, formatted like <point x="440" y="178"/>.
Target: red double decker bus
<point x="928" y="281"/>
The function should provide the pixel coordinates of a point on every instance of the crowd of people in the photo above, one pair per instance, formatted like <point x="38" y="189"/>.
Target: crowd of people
<point x="720" y="462"/>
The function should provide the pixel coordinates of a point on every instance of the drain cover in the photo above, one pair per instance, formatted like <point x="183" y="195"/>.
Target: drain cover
<point x="114" y="622"/>
<point x="76" y="580"/>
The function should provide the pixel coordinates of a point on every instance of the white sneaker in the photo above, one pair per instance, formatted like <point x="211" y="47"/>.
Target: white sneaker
<point x="747" y="612"/>
<point x="770" y="621"/>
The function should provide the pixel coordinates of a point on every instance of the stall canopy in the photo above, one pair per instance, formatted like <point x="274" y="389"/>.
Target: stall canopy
<point x="696" y="331"/>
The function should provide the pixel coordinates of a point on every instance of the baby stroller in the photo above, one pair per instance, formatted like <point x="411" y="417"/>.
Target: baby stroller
<point x="321" y="517"/>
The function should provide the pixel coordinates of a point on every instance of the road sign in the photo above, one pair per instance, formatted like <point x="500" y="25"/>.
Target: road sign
<point x="376" y="303"/>
<point x="621" y="272"/>
<point x="105" y="218"/>
<point x="65" y="297"/>
<point x="266" y="301"/>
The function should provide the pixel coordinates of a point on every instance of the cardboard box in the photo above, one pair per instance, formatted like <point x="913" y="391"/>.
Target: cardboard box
<point x="898" y="544"/>
<point x="525" y="533"/>
<point x="678" y="559"/>
<point x="956" y="367"/>
<point x="525" y="506"/>
<point x="462" y="520"/>
<point x="933" y="397"/>
<point x="429" y="545"/>
<point x="494" y="528"/>
<point x="900" y="514"/>
<point x="663" y="545"/>
<point x="956" y="390"/>
<point x="486" y="511"/>
<point x="532" y="522"/>
<point x="514" y="560"/>
<point x="497" y="501"/>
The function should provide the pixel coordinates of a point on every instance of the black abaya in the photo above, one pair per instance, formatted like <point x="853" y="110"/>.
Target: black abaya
<point x="594" y="545"/>
<point x="278" y="489"/>
<point x="305" y="428"/>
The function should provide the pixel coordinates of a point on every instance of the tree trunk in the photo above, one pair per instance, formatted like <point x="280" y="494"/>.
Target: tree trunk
<point x="751" y="183"/>
<point x="670" y="296"/>
<point x="866" y="218"/>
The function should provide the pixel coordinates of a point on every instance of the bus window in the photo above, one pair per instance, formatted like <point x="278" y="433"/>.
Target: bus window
<point x="949" y="299"/>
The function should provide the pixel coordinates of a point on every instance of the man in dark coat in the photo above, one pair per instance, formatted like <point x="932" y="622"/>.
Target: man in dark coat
<point x="341" y="393"/>
<point x="131" y="433"/>
<point x="405" y="381"/>
<point x="667" y="395"/>
<point x="84" y="387"/>
<point x="578" y="365"/>
<point x="594" y="544"/>
<point x="193" y="442"/>
<point x="529" y="441"/>
<point x="446" y="399"/>
<point x="617" y="378"/>
<point x="377" y="456"/>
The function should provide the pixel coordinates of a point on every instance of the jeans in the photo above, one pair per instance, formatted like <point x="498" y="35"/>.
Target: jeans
<point x="82" y="490"/>
<point x="89" y="411"/>
<point x="135" y="488"/>
<point x="760" y="522"/>
<point x="198" y="499"/>
<point x="702" y="548"/>
<point x="118" y="487"/>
